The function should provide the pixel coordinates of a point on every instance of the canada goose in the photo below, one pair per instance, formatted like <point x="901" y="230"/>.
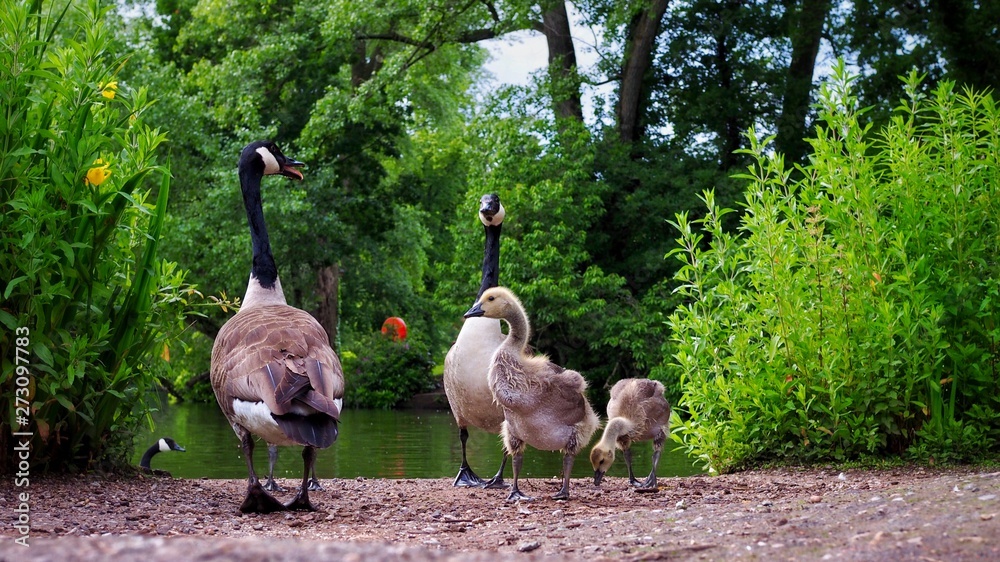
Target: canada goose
<point x="468" y="360"/>
<point x="271" y="486"/>
<point x="544" y="404"/>
<point x="161" y="445"/>
<point x="273" y="371"/>
<point x="637" y="412"/>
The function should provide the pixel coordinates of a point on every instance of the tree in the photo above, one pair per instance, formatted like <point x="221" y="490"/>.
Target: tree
<point x="805" y="29"/>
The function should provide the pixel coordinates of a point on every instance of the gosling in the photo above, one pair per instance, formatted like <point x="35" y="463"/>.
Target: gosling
<point x="637" y="412"/>
<point x="544" y="404"/>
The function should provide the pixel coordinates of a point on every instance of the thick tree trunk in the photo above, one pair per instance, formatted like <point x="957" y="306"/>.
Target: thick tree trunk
<point x="638" y="59"/>
<point x="805" y="31"/>
<point x="362" y="67"/>
<point x="328" y="287"/>
<point x="563" y="78"/>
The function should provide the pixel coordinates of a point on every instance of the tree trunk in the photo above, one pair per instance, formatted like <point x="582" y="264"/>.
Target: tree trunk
<point x="805" y="31"/>
<point x="638" y="59"/>
<point x="563" y="78"/>
<point x="328" y="313"/>
<point x="731" y="128"/>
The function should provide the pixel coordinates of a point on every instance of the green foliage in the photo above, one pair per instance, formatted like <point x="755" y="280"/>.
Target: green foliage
<point x="384" y="373"/>
<point x="80" y="264"/>
<point x="857" y="313"/>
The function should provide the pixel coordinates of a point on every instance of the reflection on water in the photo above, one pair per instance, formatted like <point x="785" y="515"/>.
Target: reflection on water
<point x="372" y="443"/>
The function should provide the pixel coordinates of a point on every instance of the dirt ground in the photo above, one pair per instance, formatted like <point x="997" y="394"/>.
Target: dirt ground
<point x="786" y="514"/>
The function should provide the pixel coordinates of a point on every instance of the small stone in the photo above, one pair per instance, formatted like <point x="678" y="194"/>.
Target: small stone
<point x="987" y="516"/>
<point x="988" y="497"/>
<point x="815" y="499"/>
<point x="528" y="546"/>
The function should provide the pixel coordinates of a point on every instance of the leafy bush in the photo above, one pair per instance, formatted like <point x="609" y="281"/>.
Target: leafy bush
<point x="857" y="313"/>
<point x="79" y="234"/>
<point x="384" y="373"/>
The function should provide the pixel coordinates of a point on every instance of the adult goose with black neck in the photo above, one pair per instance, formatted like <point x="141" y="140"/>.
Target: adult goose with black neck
<point x="162" y="445"/>
<point x="273" y="371"/>
<point x="468" y="361"/>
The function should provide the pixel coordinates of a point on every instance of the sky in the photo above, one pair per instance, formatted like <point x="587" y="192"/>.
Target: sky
<point x="514" y="57"/>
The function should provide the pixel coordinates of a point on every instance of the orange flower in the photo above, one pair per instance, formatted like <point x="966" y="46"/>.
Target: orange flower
<point x="108" y="90"/>
<point x="96" y="175"/>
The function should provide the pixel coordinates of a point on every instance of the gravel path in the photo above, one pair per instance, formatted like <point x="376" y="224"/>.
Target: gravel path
<point x="786" y="514"/>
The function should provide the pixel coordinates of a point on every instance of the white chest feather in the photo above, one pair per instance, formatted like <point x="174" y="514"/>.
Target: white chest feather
<point x="474" y="347"/>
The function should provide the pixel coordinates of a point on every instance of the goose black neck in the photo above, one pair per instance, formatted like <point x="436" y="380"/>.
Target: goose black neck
<point x="148" y="455"/>
<point x="491" y="259"/>
<point x="264" y="268"/>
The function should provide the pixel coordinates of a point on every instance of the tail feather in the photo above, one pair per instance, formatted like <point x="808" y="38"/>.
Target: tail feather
<point x="315" y="430"/>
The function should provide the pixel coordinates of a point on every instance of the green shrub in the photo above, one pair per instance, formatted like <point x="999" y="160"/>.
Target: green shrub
<point x="856" y="315"/>
<point x="79" y="266"/>
<point x="383" y="373"/>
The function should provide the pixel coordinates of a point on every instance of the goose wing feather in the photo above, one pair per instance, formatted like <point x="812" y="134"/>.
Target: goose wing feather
<point x="277" y="355"/>
<point x="529" y="384"/>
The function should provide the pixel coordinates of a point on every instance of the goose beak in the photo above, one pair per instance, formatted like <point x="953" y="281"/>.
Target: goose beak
<point x="289" y="168"/>
<point x="476" y="310"/>
<point x="598" y="476"/>
<point x="177" y="447"/>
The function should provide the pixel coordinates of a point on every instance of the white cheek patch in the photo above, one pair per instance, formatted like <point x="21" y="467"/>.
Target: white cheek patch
<point x="163" y="445"/>
<point x="270" y="163"/>
<point x="497" y="218"/>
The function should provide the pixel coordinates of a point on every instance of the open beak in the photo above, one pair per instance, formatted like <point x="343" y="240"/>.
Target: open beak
<point x="598" y="476"/>
<point x="289" y="168"/>
<point x="476" y="310"/>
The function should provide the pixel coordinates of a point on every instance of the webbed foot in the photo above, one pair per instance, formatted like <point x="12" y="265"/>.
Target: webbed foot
<point x="259" y="501"/>
<point x="271" y="486"/>
<point x="300" y="503"/>
<point x="314" y="485"/>
<point x="517" y="495"/>
<point x="496" y="483"/>
<point x="467" y="478"/>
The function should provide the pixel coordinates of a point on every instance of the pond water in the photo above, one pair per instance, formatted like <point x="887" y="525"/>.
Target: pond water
<point x="372" y="443"/>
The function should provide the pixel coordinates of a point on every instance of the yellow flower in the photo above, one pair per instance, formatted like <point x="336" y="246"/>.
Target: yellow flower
<point x="108" y="90"/>
<point x="96" y="175"/>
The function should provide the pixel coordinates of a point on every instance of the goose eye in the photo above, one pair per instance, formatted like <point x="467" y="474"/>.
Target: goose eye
<point x="491" y="299"/>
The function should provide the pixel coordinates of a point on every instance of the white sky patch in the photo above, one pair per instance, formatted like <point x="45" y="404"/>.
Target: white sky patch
<point x="515" y="57"/>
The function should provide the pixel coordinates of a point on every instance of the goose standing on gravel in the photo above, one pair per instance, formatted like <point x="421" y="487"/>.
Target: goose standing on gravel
<point x="273" y="370"/>
<point x="468" y="361"/>
<point x="162" y="445"/>
<point x="637" y="411"/>
<point x="544" y="405"/>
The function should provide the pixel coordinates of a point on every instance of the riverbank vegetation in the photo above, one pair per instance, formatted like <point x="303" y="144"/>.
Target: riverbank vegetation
<point x="809" y="281"/>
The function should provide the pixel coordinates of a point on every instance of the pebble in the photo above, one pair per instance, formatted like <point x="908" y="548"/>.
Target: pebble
<point x="815" y="499"/>
<point x="528" y="546"/>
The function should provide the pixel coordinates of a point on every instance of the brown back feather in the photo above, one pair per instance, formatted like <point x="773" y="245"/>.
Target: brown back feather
<point x="276" y="354"/>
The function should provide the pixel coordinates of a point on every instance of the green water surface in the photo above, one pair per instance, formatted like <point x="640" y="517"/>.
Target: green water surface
<point x="372" y="443"/>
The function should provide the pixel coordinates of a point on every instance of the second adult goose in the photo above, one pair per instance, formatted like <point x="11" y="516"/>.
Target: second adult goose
<point x="273" y="371"/>
<point x="544" y="404"/>
<point x="468" y="360"/>
<point x="271" y="485"/>
<point x="637" y="411"/>
<point x="162" y="445"/>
